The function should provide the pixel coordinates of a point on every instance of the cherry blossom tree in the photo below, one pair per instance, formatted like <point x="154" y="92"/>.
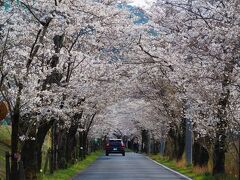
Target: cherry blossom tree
<point x="49" y="48"/>
<point x="83" y="68"/>
<point x="199" y="39"/>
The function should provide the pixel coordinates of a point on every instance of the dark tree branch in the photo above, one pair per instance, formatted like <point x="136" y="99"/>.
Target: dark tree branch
<point x="33" y="46"/>
<point x="4" y="49"/>
<point x="37" y="42"/>
<point x="145" y="51"/>
<point x="34" y="15"/>
<point x="90" y="123"/>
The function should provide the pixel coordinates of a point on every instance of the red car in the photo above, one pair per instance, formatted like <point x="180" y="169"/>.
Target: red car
<point x="115" y="146"/>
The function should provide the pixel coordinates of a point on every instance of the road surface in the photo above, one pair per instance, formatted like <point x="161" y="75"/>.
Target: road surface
<point x="130" y="167"/>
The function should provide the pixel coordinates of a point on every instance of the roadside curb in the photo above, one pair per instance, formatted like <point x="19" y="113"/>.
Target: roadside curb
<point x="165" y="167"/>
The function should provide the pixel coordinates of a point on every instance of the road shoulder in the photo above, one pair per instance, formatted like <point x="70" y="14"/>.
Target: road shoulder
<point x="169" y="169"/>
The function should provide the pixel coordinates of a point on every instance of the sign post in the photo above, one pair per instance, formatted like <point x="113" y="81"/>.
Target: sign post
<point x="3" y="110"/>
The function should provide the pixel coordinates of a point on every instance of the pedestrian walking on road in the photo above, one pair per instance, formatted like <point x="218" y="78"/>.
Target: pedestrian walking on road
<point x="135" y="145"/>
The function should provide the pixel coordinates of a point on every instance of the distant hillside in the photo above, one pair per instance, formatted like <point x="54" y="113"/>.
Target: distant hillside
<point x="136" y="12"/>
<point x="140" y="16"/>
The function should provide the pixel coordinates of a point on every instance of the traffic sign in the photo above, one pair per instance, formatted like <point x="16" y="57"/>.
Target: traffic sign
<point x="3" y="110"/>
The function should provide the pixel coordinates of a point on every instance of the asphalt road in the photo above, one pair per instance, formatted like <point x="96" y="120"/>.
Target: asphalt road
<point x="130" y="167"/>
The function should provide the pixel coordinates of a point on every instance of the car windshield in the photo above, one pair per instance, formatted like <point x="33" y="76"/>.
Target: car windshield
<point x="115" y="142"/>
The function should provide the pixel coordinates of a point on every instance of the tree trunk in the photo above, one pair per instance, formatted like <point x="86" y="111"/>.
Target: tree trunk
<point x="54" y="144"/>
<point x="200" y="155"/>
<point x="29" y="157"/>
<point x="81" y="155"/>
<point x="15" y="117"/>
<point x="219" y="154"/>
<point x="238" y="158"/>
<point x="62" y="149"/>
<point x="71" y="143"/>
<point x="220" y="145"/>
<point x="14" y="144"/>
<point x="181" y="139"/>
<point x="32" y="150"/>
<point x="220" y="141"/>
<point x="144" y="141"/>
<point x="40" y="137"/>
<point x="177" y="136"/>
<point x="85" y="144"/>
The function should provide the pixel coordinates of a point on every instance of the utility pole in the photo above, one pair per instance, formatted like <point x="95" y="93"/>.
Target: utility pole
<point x="189" y="143"/>
<point x="188" y="137"/>
<point x="162" y="146"/>
<point x="149" y="142"/>
<point x="189" y="133"/>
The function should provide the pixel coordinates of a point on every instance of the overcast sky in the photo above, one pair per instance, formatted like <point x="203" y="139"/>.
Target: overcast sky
<point x="142" y="3"/>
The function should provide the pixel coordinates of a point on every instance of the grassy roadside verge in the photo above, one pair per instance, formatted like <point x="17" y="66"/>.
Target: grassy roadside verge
<point x="195" y="173"/>
<point x="128" y="150"/>
<point x="5" y="141"/>
<point x="68" y="173"/>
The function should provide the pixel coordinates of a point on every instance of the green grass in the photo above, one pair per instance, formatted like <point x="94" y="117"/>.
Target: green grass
<point x="188" y="170"/>
<point x="5" y="135"/>
<point x="3" y="149"/>
<point x="46" y="146"/>
<point x="74" y="169"/>
<point x="128" y="150"/>
<point x="5" y="141"/>
<point x="172" y="164"/>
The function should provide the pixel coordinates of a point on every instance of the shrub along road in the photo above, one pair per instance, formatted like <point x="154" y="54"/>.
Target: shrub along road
<point x="130" y="167"/>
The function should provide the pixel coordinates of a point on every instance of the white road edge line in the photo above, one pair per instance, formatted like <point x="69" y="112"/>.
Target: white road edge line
<point x="188" y="178"/>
